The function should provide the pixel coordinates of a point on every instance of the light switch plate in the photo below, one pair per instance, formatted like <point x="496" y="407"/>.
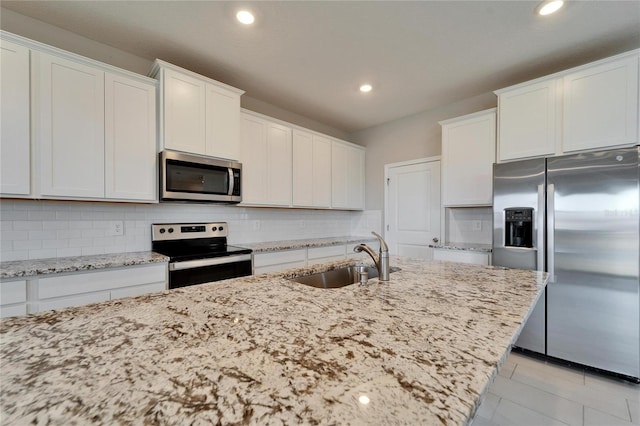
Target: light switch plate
<point x="115" y="228"/>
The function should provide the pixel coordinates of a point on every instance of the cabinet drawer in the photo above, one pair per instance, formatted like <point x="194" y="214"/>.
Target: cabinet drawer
<point x="323" y="252"/>
<point x="13" y="292"/>
<point x="18" y="309"/>
<point x="137" y="290"/>
<point x="86" y="282"/>
<point x="279" y="257"/>
<point x="279" y="267"/>
<point x="77" y="300"/>
<point x="462" y="256"/>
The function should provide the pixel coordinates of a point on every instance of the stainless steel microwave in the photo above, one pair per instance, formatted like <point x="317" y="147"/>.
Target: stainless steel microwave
<point x="197" y="178"/>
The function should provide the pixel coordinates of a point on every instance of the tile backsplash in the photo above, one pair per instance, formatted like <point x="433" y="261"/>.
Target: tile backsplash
<point x="35" y="229"/>
<point x="469" y="225"/>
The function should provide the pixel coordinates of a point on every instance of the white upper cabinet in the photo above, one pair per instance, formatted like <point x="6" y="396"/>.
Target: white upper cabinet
<point x="527" y="121"/>
<point x="91" y="127"/>
<point x="347" y="176"/>
<point x="266" y="150"/>
<point x="311" y="170"/>
<point x="198" y="115"/>
<point x="590" y="107"/>
<point x="222" y="127"/>
<point x="70" y="122"/>
<point x="468" y="154"/>
<point x="130" y="139"/>
<point x="15" y="160"/>
<point x="601" y="106"/>
<point x="184" y="112"/>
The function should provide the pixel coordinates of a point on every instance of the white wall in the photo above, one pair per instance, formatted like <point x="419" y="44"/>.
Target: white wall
<point x="459" y="225"/>
<point x="408" y="138"/>
<point x="31" y="229"/>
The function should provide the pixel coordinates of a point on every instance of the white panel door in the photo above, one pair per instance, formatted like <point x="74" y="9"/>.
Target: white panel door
<point x="412" y="210"/>
<point x="15" y="139"/>
<point x="222" y="123"/>
<point x="184" y="112"/>
<point x="130" y="139"/>
<point x="70" y="104"/>
<point x="601" y="106"/>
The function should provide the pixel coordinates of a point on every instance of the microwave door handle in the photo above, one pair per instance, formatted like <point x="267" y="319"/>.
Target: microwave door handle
<point x="231" y="181"/>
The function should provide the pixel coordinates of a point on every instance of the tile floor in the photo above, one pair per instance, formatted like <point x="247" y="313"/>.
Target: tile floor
<point x="529" y="391"/>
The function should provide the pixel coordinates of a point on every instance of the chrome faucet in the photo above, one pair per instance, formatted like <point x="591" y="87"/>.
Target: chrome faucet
<point x="382" y="262"/>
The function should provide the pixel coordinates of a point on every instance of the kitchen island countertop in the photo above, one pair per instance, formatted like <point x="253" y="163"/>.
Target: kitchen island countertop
<point x="422" y="348"/>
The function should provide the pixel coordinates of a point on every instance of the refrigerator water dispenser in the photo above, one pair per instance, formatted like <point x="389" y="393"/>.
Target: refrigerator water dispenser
<point x="518" y="225"/>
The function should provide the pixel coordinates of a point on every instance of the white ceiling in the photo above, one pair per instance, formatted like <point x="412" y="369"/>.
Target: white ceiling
<point x="309" y="57"/>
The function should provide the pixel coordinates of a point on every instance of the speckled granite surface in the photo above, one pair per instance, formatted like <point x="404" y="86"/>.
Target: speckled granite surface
<point x="312" y="242"/>
<point x="464" y="246"/>
<point x="265" y="350"/>
<point x="25" y="268"/>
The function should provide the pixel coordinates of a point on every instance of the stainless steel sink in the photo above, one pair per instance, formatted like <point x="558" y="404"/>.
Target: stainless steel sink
<point x="338" y="277"/>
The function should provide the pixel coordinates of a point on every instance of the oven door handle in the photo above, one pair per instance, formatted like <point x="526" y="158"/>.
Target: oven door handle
<point x="190" y="264"/>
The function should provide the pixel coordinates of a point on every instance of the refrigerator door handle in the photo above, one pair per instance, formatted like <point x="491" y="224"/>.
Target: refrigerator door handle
<point x="550" y="231"/>
<point x="540" y="229"/>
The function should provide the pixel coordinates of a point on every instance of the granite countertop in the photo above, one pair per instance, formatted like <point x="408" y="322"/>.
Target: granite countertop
<point x="422" y="347"/>
<point x="26" y="268"/>
<point x="306" y="243"/>
<point x="487" y="248"/>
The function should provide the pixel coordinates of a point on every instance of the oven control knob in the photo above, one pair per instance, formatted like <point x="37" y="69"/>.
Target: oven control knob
<point x="214" y="229"/>
<point x="171" y="230"/>
<point x="162" y="231"/>
<point x="221" y="228"/>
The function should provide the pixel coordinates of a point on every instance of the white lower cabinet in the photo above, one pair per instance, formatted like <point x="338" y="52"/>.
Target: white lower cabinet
<point x="462" y="256"/>
<point x="13" y="298"/>
<point x="279" y="260"/>
<point x="81" y="288"/>
<point x="325" y="254"/>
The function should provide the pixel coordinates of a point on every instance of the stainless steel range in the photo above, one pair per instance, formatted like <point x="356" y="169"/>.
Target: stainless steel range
<point x="198" y="253"/>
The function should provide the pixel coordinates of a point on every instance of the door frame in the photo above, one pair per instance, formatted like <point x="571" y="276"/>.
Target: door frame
<point x="385" y="223"/>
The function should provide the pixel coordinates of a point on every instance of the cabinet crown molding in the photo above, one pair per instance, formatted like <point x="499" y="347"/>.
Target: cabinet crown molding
<point x="159" y="64"/>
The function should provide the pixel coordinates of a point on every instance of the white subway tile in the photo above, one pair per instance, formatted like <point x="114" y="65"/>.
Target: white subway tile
<point x="64" y="252"/>
<point x="26" y="225"/>
<point x="27" y="245"/>
<point x="14" y="255"/>
<point x="69" y="233"/>
<point x="88" y="251"/>
<point x="14" y="235"/>
<point x="6" y="245"/>
<point x="68" y="215"/>
<point x="93" y="233"/>
<point x="12" y="215"/>
<point x="55" y="224"/>
<point x="81" y="224"/>
<point x="42" y="235"/>
<point x="81" y="242"/>
<point x="41" y="215"/>
<point x="47" y="244"/>
<point x="42" y="253"/>
<point x="31" y="205"/>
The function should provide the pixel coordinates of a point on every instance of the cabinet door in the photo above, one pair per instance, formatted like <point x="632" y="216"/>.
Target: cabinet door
<point x="184" y="112"/>
<point x="468" y="153"/>
<point x="601" y="106"/>
<point x="130" y="139"/>
<point x="279" y="164"/>
<point x="311" y="170"/>
<point x="321" y="172"/>
<point x="339" y="175"/>
<point x="15" y="139"/>
<point x="70" y="104"/>
<point x="222" y="123"/>
<point x="355" y="178"/>
<point x="253" y="132"/>
<point x="302" y="169"/>
<point x="528" y="121"/>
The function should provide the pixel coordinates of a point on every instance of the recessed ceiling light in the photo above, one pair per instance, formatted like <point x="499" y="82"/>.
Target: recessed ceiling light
<point x="363" y="399"/>
<point x="549" y="6"/>
<point x="365" y="88"/>
<point x="245" y="17"/>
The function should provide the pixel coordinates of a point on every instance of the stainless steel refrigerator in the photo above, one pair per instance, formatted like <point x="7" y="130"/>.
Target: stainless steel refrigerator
<point x="577" y="217"/>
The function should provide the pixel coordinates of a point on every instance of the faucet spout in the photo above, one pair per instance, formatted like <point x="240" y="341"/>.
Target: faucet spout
<point x="382" y="261"/>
